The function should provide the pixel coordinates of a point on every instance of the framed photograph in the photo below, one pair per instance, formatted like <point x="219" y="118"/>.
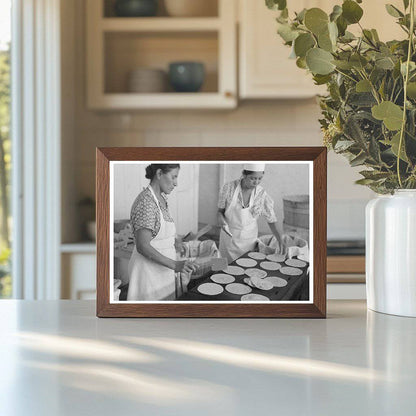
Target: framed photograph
<point x="211" y="232"/>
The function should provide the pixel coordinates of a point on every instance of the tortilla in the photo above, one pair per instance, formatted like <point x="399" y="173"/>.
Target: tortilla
<point x="238" y="288"/>
<point x="291" y="271"/>
<point x="276" y="281"/>
<point x="254" y="296"/>
<point x="256" y="255"/>
<point x="295" y="263"/>
<point x="246" y="262"/>
<point x="261" y="284"/>
<point x="270" y="265"/>
<point x="210" y="289"/>
<point x="234" y="270"/>
<point x="222" y="278"/>
<point x="256" y="272"/>
<point x="276" y="257"/>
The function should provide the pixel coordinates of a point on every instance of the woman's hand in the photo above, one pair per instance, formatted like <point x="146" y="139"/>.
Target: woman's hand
<point x="185" y="266"/>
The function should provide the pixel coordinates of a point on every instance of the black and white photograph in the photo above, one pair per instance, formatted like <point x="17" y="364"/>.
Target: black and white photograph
<point x="211" y="231"/>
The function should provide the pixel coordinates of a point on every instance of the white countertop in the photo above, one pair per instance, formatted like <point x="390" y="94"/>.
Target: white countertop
<point x="57" y="358"/>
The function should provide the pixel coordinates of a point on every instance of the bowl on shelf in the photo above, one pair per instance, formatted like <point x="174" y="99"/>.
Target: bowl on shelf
<point x="186" y="76"/>
<point x="92" y="230"/>
<point x="191" y="8"/>
<point x="135" y="8"/>
<point x="147" y="80"/>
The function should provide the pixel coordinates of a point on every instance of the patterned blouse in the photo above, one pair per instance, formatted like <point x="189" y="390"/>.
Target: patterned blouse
<point x="146" y="214"/>
<point x="263" y="204"/>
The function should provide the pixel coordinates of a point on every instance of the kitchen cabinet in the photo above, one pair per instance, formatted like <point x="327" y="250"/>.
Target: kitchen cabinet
<point x="118" y="45"/>
<point x="265" y="70"/>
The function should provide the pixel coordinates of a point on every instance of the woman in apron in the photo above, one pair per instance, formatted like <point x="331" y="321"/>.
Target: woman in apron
<point x="153" y="262"/>
<point x="240" y="203"/>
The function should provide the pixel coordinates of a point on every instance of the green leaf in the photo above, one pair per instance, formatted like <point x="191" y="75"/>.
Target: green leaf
<point x="393" y="11"/>
<point x="351" y="11"/>
<point x="411" y="90"/>
<point x="324" y="42"/>
<point x="374" y="175"/>
<point x="319" y="61"/>
<point x="343" y="65"/>
<point x="364" y="181"/>
<point x="385" y="63"/>
<point x="375" y="35"/>
<point x="358" y="61"/>
<point x="316" y="20"/>
<point x="336" y="12"/>
<point x="286" y="32"/>
<point x="303" y="43"/>
<point x="301" y="63"/>
<point x="374" y="150"/>
<point x="394" y="145"/>
<point x="390" y="113"/>
<point x="363" y="86"/>
<point x="321" y="79"/>
<point x="358" y="160"/>
<point x="342" y="25"/>
<point x="300" y="17"/>
<point x="343" y="145"/>
<point x="412" y="67"/>
<point x="276" y="4"/>
<point x="347" y="37"/>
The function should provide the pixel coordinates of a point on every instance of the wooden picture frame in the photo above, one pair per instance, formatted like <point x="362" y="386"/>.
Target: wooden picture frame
<point x="314" y="157"/>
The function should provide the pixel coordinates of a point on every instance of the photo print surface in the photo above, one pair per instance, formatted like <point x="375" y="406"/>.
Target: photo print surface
<point x="227" y="232"/>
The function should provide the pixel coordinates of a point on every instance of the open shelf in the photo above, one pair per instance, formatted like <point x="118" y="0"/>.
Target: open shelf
<point x="160" y="24"/>
<point x="116" y="46"/>
<point x="209" y="9"/>
<point x="127" y="51"/>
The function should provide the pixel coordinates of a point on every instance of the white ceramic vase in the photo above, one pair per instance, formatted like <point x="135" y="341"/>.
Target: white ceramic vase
<point x="391" y="253"/>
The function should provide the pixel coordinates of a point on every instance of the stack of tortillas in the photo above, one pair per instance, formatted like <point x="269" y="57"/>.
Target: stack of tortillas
<point x="276" y="281"/>
<point x="256" y="273"/>
<point x="260" y="283"/>
<point x="270" y="265"/>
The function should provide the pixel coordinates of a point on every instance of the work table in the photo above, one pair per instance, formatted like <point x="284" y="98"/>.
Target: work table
<point x="57" y="358"/>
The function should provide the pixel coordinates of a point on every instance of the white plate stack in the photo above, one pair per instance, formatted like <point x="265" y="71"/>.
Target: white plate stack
<point x="147" y="80"/>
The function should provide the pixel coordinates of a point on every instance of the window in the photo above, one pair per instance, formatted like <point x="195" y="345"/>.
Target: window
<point x="5" y="147"/>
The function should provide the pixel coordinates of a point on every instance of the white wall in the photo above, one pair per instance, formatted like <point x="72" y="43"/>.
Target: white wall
<point x="279" y="180"/>
<point x="130" y="180"/>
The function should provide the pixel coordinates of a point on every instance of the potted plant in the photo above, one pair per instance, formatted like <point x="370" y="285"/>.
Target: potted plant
<point x="368" y="116"/>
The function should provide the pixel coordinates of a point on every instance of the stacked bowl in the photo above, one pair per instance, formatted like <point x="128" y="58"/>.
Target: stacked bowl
<point x="147" y="80"/>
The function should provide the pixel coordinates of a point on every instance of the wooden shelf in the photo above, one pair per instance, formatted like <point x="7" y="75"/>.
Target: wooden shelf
<point x="163" y="101"/>
<point x="346" y="264"/>
<point x="159" y="24"/>
<point x="116" y="46"/>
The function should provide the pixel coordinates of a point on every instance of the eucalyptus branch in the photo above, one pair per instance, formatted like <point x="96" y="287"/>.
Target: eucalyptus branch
<point x="346" y="75"/>
<point x="406" y="78"/>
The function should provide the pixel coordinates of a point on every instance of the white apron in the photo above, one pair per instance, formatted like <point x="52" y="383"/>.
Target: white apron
<point x="243" y="227"/>
<point x="150" y="280"/>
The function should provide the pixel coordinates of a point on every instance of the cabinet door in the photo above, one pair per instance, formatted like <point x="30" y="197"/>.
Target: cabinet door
<point x="265" y="68"/>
